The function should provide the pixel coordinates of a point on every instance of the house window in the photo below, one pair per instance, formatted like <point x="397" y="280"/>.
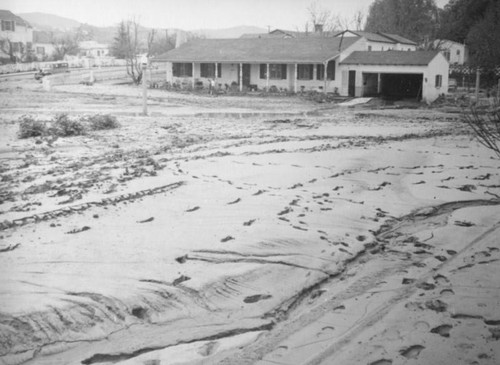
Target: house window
<point x="40" y="50"/>
<point x="447" y="55"/>
<point x="439" y="81"/>
<point x="305" y="72"/>
<point x="8" y="25"/>
<point x="458" y="52"/>
<point x="369" y="48"/>
<point x="182" y="69"/>
<point x="276" y="71"/>
<point x="330" y="71"/>
<point x="208" y="70"/>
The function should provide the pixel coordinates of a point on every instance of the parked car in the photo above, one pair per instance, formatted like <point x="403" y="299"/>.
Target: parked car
<point x="51" y="69"/>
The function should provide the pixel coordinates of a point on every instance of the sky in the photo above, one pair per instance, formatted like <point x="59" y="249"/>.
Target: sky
<point x="190" y="14"/>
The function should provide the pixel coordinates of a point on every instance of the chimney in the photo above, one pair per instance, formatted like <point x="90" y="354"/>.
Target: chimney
<point x="318" y="28"/>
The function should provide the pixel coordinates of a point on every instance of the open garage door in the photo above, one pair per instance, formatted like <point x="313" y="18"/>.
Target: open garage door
<point x="401" y="86"/>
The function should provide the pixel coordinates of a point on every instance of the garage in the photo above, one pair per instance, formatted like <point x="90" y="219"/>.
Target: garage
<point x="401" y="86"/>
<point x="395" y="75"/>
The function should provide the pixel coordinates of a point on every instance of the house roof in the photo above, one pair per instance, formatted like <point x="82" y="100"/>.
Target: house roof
<point x="259" y="50"/>
<point x="399" y="58"/>
<point x="381" y="37"/>
<point x="289" y="34"/>
<point x="8" y="15"/>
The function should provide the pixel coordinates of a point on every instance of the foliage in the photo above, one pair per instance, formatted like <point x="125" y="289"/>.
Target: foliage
<point x="102" y="121"/>
<point x="486" y="126"/>
<point x="414" y="19"/>
<point x="65" y="45"/>
<point x="63" y="126"/>
<point x="30" y="127"/>
<point x="476" y="23"/>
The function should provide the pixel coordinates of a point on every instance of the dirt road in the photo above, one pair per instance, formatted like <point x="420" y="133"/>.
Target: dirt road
<point x="245" y="230"/>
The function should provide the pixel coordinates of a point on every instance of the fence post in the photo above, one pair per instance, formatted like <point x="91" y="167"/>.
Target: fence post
<point x="144" y="91"/>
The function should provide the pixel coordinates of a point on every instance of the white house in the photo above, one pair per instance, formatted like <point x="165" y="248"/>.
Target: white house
<point x="93" y="49"/>
<point x="456" y="53"/>
<point x="16" y="36"/>
<point x="327" y="64"/>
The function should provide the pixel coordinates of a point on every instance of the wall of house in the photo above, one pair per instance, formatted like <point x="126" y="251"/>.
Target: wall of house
<point x="21" y="34"/>
<point x="438" y="66"/>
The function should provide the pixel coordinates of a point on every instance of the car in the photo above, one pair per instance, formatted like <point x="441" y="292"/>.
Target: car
<point x="51" y="69"/>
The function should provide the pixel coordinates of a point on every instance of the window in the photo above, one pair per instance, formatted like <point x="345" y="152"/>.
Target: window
<point x="439" y="80"/>
<point x="9" y="25"/>
<point x="305" y="72"/>
<point x="369" y="48"/>
<point x="447" y="55"/>
<point x="40" y="50"/>
<point x="276" y="71"/>
<point x="458" y="52"/>
<point x="330" y="71"/>
<point x="208" y="70"/>
<point x="182" y="69"/>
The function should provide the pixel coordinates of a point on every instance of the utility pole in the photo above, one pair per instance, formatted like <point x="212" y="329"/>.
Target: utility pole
<point x="478" y="72"/>
<point x="144" y="62"/>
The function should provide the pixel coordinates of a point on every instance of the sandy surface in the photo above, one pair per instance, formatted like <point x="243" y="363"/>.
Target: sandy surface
<point x="245" y="230"/>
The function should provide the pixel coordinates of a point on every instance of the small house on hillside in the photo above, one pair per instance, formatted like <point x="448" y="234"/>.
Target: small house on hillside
<point x="341" y="65"/>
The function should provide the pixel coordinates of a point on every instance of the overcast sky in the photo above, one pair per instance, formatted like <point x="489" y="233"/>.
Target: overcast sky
<point x="190" y="14"/>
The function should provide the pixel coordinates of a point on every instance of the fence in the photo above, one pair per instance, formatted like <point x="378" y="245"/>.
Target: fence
<point x="72" y="62"/>
<point x="97" y="75"/>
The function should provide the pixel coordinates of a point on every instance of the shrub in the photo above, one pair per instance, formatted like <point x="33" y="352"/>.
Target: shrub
<point x="63" y="126"/>
<point x="29" y="127"/>
<point x="103" y="121"/>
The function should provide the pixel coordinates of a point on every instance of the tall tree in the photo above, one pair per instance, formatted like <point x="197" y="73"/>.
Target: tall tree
<point x="65" y="45"/>
<point x="476" y="23"/>
<point x="413" y="19"/>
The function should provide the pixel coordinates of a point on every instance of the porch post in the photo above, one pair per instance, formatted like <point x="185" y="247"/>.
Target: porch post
<point x="325" y="73"/>
<point x="379" y="83"/>
<point x="267" y="77"/>
<point x="295" y="79"/>
<point x="192" y="76"/>
<point x="241" y="77"/>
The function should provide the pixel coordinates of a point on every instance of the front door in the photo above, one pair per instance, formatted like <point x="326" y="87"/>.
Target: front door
<point x="246" y="74"/>
<point x="352" y="83"/>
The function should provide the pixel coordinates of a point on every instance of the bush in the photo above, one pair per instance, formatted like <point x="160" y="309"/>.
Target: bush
<point x="62" y="126"/>
<point x="103" y="121"/>
<point x="29" y="127"/>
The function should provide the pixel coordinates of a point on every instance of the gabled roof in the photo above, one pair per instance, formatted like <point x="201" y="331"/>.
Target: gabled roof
<point x="8" y="15"/>
<point x="380" y="37"/>
<point x="259" y="50"/>
<point x="399" y="58"/>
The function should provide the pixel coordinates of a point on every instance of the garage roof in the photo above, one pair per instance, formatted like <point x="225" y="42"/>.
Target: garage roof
<point x="259" y="50"/>
<point x="399" y="58"/>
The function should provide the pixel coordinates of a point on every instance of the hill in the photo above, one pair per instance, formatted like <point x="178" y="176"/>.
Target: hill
<point x="45" y="21"/>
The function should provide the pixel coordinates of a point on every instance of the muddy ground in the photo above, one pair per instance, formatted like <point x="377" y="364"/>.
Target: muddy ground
<point x="245" y="230"/>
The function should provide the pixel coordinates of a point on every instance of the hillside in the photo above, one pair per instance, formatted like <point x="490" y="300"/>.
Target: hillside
<point x="45" y="21"/>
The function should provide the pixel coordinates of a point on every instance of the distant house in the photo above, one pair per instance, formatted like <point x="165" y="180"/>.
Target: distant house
<point x="93" y="49"/>
<point x="43" y="48"/>
<point x="341" y="64"/>
<point x="456" y="53"/>
<point x="16" y="37"/>
<point x="381" y="41"/>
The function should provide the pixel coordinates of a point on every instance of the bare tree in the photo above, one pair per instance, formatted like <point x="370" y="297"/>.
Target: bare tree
<point x="130" y="43"/>
<point x="486" y="125"/>
<point x="322" y="20"/>
<point x="63" y="46"/>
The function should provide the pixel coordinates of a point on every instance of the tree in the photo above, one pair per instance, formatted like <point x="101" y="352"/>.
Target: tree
<point x="486" y="126"/>
<point x="65" y="45"/>
<point x="129" y="43"/>
<point x="476" y="23"/>
<point x="414" y="19"/>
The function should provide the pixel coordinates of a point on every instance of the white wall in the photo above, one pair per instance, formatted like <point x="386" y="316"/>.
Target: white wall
<point x="438" y="66"/>
<point x="21" y="34"/>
